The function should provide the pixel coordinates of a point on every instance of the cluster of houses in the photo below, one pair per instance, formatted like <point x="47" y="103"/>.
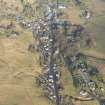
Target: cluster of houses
<point x="82" y="77"/>
<point x="44" y="34"/>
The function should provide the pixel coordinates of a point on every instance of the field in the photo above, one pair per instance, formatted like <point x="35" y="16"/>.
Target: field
<point x="18" y="69"/>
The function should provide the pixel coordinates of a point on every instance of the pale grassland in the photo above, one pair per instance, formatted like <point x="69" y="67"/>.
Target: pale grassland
<point x="18" y="69"/>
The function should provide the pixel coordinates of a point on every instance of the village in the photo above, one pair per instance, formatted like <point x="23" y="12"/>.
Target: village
<point x="57" y="42"/>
